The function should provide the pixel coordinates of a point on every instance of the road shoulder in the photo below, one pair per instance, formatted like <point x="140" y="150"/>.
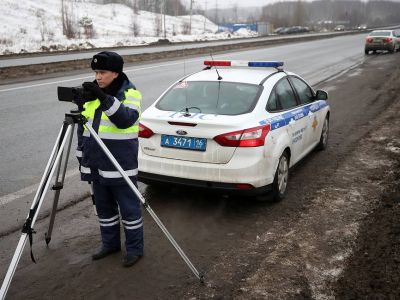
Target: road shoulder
<point x="328" y="251"/>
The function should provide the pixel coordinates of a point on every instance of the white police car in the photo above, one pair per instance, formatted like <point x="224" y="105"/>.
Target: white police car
<point x="234" y="126"/>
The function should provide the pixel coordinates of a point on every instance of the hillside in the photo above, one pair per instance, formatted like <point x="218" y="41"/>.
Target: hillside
<point x="34" y="26"/>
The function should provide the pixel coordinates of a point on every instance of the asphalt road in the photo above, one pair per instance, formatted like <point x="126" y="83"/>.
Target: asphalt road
<point x="31" y="116"/>
<point x="41" y="58"/>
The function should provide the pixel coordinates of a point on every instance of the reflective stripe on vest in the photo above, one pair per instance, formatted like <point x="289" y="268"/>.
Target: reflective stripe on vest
<point x="110" y="174"/>
<point x="107" y="129"/>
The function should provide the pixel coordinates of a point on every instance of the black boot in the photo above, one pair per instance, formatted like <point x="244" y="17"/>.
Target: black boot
<point x="103" y="253"/>
<point x="130" y="260"/>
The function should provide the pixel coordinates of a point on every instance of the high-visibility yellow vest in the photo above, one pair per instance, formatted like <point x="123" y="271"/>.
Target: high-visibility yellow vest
<point x="107" y="129"/>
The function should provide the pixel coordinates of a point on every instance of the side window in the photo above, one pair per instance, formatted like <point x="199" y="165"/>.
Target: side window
<point x="303" y="90"/>
<point x="285" y="95"/>
<point x="273" y="104"/>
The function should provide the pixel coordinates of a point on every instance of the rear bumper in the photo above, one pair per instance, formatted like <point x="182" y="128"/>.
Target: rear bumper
<point x="247" y="166"/>
<point x="225" y="188"/>
<point x="387" y="47"/>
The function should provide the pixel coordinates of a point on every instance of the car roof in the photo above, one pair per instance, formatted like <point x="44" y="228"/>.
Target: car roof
<point x="233" y="74"/>
<point x="383" y="30"/>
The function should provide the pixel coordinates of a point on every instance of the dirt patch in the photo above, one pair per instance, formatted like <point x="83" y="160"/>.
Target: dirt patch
<point x="373" y="270"/>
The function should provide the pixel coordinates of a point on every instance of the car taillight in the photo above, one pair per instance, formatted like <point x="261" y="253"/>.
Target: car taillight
<point x="243" y="186"/>
<point x="370" y="40"/>
<point x="387" y="40"/>
<point x="251" y="137"/>
<point x="145" y="132"/>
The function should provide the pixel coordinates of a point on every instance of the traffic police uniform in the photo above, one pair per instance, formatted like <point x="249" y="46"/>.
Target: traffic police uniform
<point x="116" y="120"/>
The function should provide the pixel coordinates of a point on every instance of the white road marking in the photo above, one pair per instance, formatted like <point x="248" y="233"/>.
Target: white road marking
<point x="30" y="189"/>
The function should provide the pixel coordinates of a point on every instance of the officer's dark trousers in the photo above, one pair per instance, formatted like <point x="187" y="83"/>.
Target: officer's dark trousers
<point x="108" y="199"/>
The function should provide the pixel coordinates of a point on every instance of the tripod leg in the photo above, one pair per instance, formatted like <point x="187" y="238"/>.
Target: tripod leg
<point x="58" y="186"/>
<point x="33" y="213"/>
<point x="13" y="266"/>
<point x="145" y="204"/>
<point x="50" y="164"/>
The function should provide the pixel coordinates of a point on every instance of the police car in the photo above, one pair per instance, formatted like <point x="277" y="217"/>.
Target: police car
<point x="234" y="126"/>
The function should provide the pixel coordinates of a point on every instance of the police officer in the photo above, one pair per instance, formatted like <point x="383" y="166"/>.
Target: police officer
<point x="114" y="114"/>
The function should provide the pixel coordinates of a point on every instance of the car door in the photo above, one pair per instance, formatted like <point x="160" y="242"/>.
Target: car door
<point x="293" y="114"/>
<point x="313" y="118"/>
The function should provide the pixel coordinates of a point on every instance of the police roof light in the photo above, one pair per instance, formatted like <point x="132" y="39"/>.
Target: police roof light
<point x="238" y="63"/>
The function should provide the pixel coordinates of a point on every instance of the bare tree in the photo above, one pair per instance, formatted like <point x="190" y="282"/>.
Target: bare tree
<point x="235" y="13"/>
<point x="67" y="22"/>
<point x="158" y="25"/>
<point x="299" y="14"/>
<point x="43" y="28"/>
<point x="135" y="12"/>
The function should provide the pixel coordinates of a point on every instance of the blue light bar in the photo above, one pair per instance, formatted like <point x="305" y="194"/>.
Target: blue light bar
<point x="266" y="64"/>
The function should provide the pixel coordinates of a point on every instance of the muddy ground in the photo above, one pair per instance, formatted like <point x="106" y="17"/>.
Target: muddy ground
<point x="336" y="236"/>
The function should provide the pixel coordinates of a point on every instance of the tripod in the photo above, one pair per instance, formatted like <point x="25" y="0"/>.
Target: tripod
<point x="58" y="165"/>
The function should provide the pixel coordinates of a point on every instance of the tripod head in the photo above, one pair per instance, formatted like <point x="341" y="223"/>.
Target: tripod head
<point x="77" y="95"/>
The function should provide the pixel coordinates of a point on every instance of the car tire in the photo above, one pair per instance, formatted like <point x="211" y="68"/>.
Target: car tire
<point x="323" y="140"/>
<point x="366" y="52"/>
<point x="279" y="186"/>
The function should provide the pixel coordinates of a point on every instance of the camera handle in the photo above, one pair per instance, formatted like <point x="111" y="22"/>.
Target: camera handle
<point x="54" y="164"/>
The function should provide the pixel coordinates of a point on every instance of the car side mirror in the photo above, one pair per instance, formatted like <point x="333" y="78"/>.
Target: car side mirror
<point x="321" y="95"/>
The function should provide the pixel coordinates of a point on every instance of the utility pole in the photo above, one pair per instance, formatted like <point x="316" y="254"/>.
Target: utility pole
<point x="205" y="11"/>
<point x="216" y="12"/>
<point x="190" y="20"/>
<point x="165" y="24"/>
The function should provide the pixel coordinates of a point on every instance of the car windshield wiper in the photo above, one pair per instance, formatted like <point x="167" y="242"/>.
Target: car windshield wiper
<point x="186" y="110"/>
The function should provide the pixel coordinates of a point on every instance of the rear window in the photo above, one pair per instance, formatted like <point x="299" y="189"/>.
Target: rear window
<point x="380" y="33"/>
<point x="221" y="98"/>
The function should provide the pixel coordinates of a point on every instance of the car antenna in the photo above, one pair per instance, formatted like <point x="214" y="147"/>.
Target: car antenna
<point x="187" y="113"/>
<point x="216" y="69"/>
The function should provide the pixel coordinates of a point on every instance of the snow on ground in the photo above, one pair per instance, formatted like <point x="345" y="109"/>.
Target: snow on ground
<point x="34" y="26"/>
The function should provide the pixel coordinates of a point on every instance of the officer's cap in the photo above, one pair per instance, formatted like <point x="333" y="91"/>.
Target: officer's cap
<point x="107" y="60"/>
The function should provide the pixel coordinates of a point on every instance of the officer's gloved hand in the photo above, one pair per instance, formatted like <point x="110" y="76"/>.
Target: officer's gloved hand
<point x="95" y="90"/>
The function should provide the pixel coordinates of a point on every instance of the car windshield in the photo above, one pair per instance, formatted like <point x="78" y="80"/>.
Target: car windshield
<point x="210" y="97"/>
<point x="380" y="33"/>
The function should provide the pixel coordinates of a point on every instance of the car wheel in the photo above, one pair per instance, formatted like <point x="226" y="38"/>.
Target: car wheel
<point x="323" y="140"/>
<point x="281" y="178"/>
<point x="366" y="52"/>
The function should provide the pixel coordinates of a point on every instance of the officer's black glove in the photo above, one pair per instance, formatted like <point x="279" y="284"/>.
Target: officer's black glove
<point x="95" y="90"/>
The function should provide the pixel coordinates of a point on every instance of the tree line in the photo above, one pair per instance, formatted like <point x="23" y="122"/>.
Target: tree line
<point x="351" y="13"/>
<point x="172" y="7"/>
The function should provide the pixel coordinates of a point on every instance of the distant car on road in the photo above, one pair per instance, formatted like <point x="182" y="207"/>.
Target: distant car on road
<point x="362" y="27"/>
<point x="294" y="30"/>
<point x="279" y="30"/>
<point x="382" y="40"/>
<point x="235" y="126"/>
<point x="339" y="28"/>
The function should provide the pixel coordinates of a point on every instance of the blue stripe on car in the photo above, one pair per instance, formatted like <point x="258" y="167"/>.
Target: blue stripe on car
<point x="296" y="114"/>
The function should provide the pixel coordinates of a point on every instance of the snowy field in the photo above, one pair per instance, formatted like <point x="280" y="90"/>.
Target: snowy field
<point x="28" y="26"/>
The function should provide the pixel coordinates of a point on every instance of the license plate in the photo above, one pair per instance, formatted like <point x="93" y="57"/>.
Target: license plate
<point x="183" y="142"/>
